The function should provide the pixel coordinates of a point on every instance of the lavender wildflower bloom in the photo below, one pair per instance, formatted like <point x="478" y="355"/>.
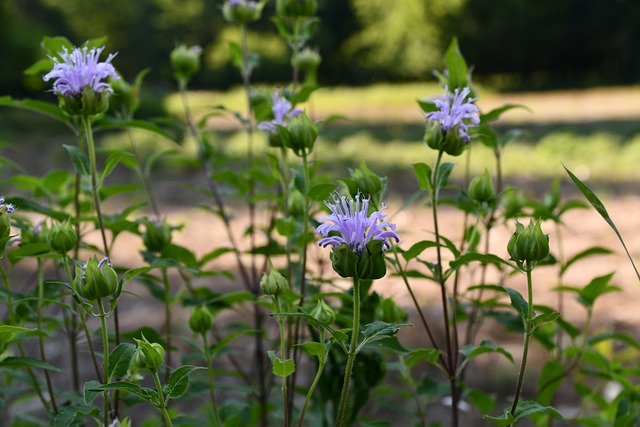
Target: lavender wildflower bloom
<point x="81" y="68"/>
<point x="454" y="110"/>
<point x="350" y="219"/>
<point x="282" y="109"/>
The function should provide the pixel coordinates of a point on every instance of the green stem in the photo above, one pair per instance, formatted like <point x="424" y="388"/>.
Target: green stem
<point x="352" y="352"/>
<point x="527" y="336"/>
<point x="162" y="405"/>
<point x="167" y="317"/>
<point x="105" y="360"/>
<point x="312" y="388"/>
<point x="283" y="349"/>
<point x="212" y="394"/>
<point x="47" y="377"/>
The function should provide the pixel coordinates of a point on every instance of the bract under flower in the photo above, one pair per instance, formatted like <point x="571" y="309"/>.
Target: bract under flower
<point x="81" y="68"/>
<point x="454" y="109"/>
<point x="355" y="228"/>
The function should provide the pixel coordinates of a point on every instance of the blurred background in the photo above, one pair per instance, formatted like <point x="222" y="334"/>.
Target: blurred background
<point x="512" y="44"/>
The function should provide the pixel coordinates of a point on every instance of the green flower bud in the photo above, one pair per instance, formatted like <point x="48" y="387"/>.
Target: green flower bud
<point x="242" y="11"/>
<point x="481" y="188"/>
<point x="37" y="234"/>
<point x="62" y="237"/>
<point x="323" y="313"/>
<point x="370" y="265"/>
<point x="513" y="202"/>
<point x="295" y="203"/>
<point x="200" y="320"/>
<point x="296" y="8"/>
<point x="96" y="280"/>
<point x="388" y="311"/>
<point x="363" y="181"/>
<point x="307" y="60"/>
<point x="528" y="244"/>
<point x="88" y="103"/>
<point x="185" y="62"/>
<point x="300" y="134"/>
<point x="148" y="355"/>
<point x="126" y="97"/>
<point x="157" y="235"/>
<point x="273" y="283"/>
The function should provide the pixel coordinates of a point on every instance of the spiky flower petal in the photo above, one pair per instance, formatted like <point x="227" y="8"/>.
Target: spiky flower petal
<point x="454" y="109"/>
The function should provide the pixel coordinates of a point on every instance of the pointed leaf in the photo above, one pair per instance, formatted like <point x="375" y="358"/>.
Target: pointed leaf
<point x="79" y="159"/>
<point x="456" y="66"/>
<point x="423" y="174"/>
<point x="27" y="362"/>
<point x="147" y="394"/>
<point x="599" y="207"/>
<point x="179" y="381"/>
<point x="88" y="393"/>
<point x="120" y="359"/>
<point x="518" y="302"/>
<point x="45" y="108"/>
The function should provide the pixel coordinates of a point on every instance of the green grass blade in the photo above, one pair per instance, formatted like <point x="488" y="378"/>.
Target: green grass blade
<point x="599" y="206"/>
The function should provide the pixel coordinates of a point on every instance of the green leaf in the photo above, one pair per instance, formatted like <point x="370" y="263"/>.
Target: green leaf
<point x="112" y="161"/>
<point x="423" y="174"/>
<point x="417" y="248"/>
<point x="597" y="287"/>
<point x="549" y="316"/>
<point x="379" y="330"/>
<point x="236" y="54"/>
<point x="114" y="123"/>
<point x="518" y="302"/>
<point x="44" y="108"/>
<point x="8" y="333"/>
<point x="179" y="381"/>
<point x="316" y="349"/>
<point x="497" y="112"/>
<point x="443" y="174"/>
<point x="481" y="258"/>
<point x="30" y="250"/>
<point x="486" y="346"/>
<point x="599" y="207"/>
<point x="389" y="343"/>
<point x="120" y="359"/>
<point x="484" y="402"/>
<point x="528" y="407"/>
<point x="27" y="362"/>
<point x="320" y="192"/>
<point x="79" y="159"/>
<point x="147" y="394"/>
<point x="595" y="250"/>
<point x="456" y="66"/>
<point x="88" y="393"/>
<point x="550" y="380"/>
<point x="429" y="355"/>
<point x="281" y="368"/>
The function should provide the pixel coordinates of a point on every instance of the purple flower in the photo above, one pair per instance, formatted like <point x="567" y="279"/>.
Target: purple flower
<point x="349" y="217"/>
<point x="80" y="68"/>
<point x="282" y="109"/>
<point x="454" y="110"/>
<point x="8" y="207"/>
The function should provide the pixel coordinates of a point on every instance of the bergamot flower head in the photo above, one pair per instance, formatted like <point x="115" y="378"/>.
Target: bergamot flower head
<point x="359" y="240"/>
<point x="282" y="112"/>
<point x="81" y="80"/>
<point x="448" y="126"/>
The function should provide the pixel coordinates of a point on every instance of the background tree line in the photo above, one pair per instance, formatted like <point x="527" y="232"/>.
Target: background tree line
<point x="511" y="43"/>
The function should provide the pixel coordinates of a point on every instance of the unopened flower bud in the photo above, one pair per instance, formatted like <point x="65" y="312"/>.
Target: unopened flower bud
<point x="323" y="313"/>
<point x="307" y="60"/>
<point x="363" y="181"/>
<point x="273" y="283"/>
<point x="301" y="134"/>
<point x="296" y="8"/>
<point x="148" y="355"/>
<point x="388" y="311"/>
<point x="126" y="97"/>
<point x="295" y="203"/>
<point x="200" y="320"/>
<point x="513" y="202"/>
<point x="96" y="280"/>
<point x="185" y="62"/>
<point x="242" y="10"/>
<point x="157" y="235"/>
<point x="62" y="237"/>
<point x="89" y="103"/>
<point x="481" y="188"/>
<point x="528" y="244"/>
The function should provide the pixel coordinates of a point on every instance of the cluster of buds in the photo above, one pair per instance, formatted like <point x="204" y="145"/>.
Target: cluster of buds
<point x="157" y="234"/>
<point x="96" y="280"/>
<point x="482" y="190"/>
<point x="241" y="11"/>
<point x="528" y="245"/>
<point x="62" y="237"/>
<point x="273" y="283"/>
<point x="148" y="355"/>
<point x="323" y="313"/>
<point x="185" y="62"/>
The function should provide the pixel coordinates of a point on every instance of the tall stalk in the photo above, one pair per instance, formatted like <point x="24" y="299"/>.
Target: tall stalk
<point x="47" y="376"/>
<point x="212" y="394"/>
<point x="355" y="331"/>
